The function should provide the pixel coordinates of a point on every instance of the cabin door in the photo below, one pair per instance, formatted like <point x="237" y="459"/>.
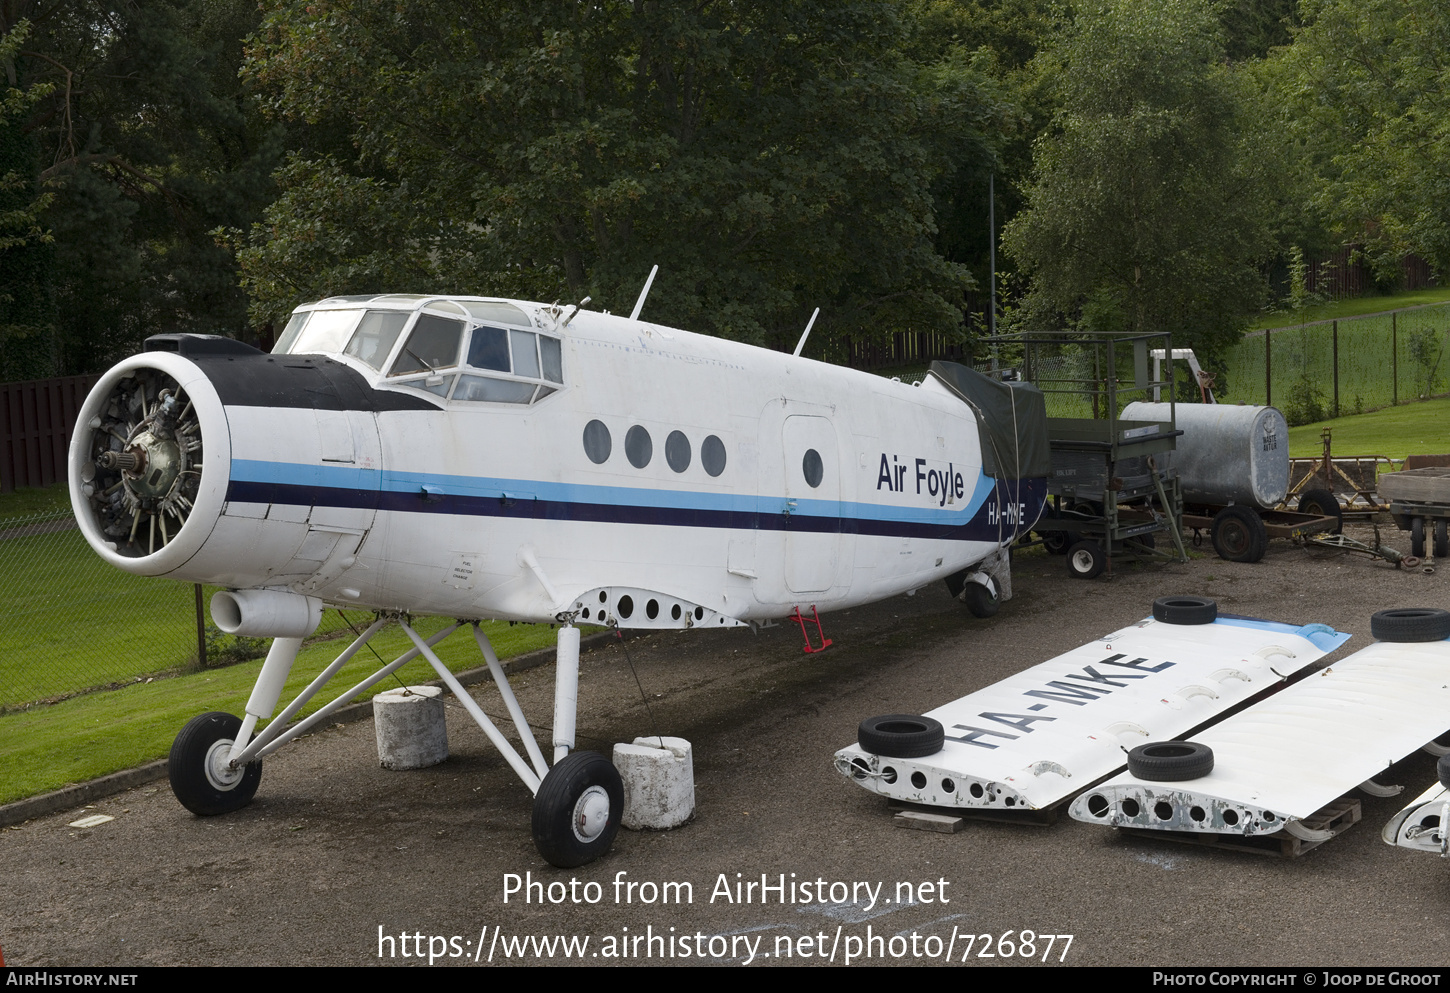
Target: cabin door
<point x="813" y="503"/>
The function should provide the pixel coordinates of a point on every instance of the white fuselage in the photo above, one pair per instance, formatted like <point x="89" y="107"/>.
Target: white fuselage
<point x="654" y="477"/>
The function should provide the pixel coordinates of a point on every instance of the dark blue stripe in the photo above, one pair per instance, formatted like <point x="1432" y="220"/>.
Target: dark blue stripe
<point x="979" y="528"/>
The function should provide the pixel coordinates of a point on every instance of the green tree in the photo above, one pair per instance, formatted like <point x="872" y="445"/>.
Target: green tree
<point x="25" y="326"/>
<point x="1364" y="96"/>
<point x="143" y="141"/>
<point x="1147" y="210"/>
<point x="770" y="156"/>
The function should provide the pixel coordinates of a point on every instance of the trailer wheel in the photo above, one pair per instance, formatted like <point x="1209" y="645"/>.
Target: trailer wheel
<point x="1442" y="770"/>
<point x="1086" y="560"/>
<point x="1170" y="761"/>
<point x="1417" y="537"/>
<point x="1442" y="543"/>
<point x="1323" y="504"/>
<point x="1185" y="610"/>
<point x="1239" y="535"/>
<point x="1056" y="542"/>
<point x="1408" y="624"/>
<point x="901" y="736"/>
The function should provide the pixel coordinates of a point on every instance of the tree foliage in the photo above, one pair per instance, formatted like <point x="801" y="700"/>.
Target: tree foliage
<point x="1146" y="214"/>
<point x="770" y="156"/>
<point x="1364" y="96"/>
<point x="142" y="140"/>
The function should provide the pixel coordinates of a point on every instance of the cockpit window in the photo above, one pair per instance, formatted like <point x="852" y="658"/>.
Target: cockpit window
<point x="375" y="335"/>
<point x="515" y="366"/>
<point x="432" y="345"/>
<point x="323" y="331"/>
<point x="489" y="349"/>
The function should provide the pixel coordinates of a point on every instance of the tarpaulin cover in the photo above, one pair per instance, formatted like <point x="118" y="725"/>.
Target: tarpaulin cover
<point x="1012" y="417"/>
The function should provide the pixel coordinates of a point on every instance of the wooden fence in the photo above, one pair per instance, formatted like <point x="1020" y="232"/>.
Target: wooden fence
<point x="36" y="420"/>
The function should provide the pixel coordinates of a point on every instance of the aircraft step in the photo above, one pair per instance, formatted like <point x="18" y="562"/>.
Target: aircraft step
<point x="1336" y="817"/>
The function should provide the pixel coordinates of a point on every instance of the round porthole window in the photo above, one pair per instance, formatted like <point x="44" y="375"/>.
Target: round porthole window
<point x="638" y="447"/>
<point x="712" y="455"/>
<point x="596" y="442"/>
<point x="677" y="451"/>
<point x="813" y="468"/>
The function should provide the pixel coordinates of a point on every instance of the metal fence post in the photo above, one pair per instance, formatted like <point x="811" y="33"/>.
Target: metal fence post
<point x="1394" y="358"/>
<point x="1336" y="368"/>
<point x="1268" y="370"/>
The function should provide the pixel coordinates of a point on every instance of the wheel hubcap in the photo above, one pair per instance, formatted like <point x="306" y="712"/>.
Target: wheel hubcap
<point x="591" y="814"/>
<point x="218" y="772"/>
<point x="1082" y="561"/>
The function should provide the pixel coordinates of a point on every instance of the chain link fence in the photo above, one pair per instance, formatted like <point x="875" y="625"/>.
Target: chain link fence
<point x="1332" y="368"/>
<point x="71" y="623"/>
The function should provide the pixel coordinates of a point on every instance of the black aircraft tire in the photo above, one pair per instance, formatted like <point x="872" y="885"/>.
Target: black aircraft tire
<point x="1410" y="624"/>
<point x="1185" y="610"/>
<point x="1086" y="560"/>
<point x="1239" y="535"/>
<point x="1417" y="537"/>
<point x="196" y="767"/>
<point x="980" y="601"/>
<point x="901" y="736"/>
<point x="1170" y="761"/>
<point x="1322" y="503"/>
<point x="578" y="809"/>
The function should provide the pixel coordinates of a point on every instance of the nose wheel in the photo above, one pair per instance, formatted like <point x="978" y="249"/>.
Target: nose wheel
<point x="577" y="809"/>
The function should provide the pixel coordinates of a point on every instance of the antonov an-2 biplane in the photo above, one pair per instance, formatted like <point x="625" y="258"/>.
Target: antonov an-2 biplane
<point x="485" y="458"/>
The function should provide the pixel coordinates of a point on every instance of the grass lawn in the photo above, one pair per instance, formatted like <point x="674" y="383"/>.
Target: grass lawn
<point x="1421" y="428"/>
<point x="47" y="747"/>
<point x="1355" y="307"/>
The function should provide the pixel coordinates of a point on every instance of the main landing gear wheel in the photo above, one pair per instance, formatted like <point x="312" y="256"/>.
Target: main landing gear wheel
<point x="577" y="810"/>
<point x="197" y="765"/>
<point x="1170" y="761"/>
<point x="1239" y="535"/>
<point x="901" y="736"/>
<point x="1086" y="560"/>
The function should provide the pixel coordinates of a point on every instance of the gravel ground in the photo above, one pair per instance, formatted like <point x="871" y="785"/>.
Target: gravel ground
<point x="341" y="862"/>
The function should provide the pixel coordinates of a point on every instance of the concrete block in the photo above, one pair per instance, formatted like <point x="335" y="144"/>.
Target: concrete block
<point x="410" y="727"/>
<point x="659" y="782"/>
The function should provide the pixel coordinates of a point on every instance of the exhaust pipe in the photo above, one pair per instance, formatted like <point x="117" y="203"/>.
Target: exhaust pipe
<point x="266" y="613"/>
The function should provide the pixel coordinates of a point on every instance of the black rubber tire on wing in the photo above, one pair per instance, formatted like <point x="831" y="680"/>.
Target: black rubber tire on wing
<point x="1442" y="540"/>
<point x="901" y="736"/>
<point x="197" y="788"/>
<point x="1239" y="535"/>
<point x="561" y="833"/>
<point x="1417" y="537"/>
<point x="1323" y="504"/>
<point x="1086" y="560"/>
<point x="1170" y="761"/>
<point x="1410" y="624"/>
<point x="1185" y="610"/>
<point x="1442" y="770"/>
<point x="980" y="601"/>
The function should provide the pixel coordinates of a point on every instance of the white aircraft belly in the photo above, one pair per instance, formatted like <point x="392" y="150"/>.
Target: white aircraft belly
<point x="1036" y="737"/>
<point x="1286" y="757"/>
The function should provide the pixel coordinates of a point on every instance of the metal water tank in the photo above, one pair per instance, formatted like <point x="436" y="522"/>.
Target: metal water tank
<point x="1227" y="454"/>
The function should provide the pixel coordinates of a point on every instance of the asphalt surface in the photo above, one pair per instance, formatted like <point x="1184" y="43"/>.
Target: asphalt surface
<point x="340" y="862"/>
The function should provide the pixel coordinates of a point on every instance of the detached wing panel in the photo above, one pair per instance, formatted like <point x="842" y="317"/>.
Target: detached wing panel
<point x="1055" y="729"/>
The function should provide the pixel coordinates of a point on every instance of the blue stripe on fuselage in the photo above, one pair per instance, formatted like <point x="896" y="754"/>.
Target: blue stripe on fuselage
<point x="257" y="481"/>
